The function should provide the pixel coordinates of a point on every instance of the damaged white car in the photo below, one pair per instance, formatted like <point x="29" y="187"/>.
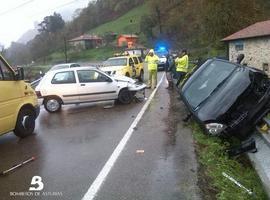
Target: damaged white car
<point x="84" y="85"/>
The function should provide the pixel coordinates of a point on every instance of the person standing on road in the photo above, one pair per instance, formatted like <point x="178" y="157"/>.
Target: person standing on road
<point x="169" y="71"/>
<point x="152" y="61"/>
<point x="181" y="66"/>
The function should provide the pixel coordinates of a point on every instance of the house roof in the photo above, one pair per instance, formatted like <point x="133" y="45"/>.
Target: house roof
<point x="129" y="35"/>
<point x="258" y="29"/>
<point x="85" y="37"/>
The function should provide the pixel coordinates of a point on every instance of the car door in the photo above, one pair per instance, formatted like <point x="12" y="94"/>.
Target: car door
<point x="95" y="86"/>
<point x="64" y="84"/>
<point x="9" y="99"/>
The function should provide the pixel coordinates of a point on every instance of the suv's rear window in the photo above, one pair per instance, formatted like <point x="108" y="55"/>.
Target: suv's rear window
<point x="204" y="81"/>
<point x="74" y="65"/>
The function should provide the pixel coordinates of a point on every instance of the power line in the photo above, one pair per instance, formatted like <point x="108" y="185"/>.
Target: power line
<point x="19" y="6"/>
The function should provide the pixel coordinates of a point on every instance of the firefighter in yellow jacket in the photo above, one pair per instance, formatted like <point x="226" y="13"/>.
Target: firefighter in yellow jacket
<point x="152" y="61"/>
<point x="181" y="63"/>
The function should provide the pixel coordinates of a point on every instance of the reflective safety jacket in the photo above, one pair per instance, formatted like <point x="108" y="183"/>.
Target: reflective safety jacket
<point x="182" y="64"/>
<point x="152" y="62"/>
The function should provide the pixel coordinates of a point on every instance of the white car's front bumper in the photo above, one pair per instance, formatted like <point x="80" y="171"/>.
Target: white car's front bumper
<point x="136" y="87"/>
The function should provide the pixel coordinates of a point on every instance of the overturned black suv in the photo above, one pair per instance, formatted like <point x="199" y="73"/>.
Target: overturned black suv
<point x="227" y="99"/>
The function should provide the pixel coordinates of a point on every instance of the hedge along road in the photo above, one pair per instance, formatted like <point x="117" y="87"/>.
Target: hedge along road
<point x="73" y="146"/>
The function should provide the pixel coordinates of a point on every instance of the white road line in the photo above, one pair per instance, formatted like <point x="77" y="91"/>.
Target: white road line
<point x="92" y="191"/>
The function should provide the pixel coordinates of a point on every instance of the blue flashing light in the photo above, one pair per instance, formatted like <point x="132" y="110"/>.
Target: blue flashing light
<point x="161" y="48"/>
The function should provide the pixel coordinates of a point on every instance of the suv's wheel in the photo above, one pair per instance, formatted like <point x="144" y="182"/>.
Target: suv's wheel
<point x="125" y="96"/>
<point x="52" y="104"/>
<point x="141" y="77"/>
<point x="25" y="124"/>
<point x="127" y="74"/>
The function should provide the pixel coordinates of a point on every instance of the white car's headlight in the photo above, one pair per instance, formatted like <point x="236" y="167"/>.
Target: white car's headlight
<point x="214" y="128"/>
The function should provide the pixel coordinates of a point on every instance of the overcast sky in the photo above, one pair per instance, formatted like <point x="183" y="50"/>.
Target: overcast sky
<point x="18" y="16"/>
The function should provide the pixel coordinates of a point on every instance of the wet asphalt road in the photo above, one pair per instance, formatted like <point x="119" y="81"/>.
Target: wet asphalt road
<point x="72" y="147"/>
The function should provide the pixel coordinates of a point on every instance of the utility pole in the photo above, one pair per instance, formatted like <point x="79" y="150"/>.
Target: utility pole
<point x="131" y="21"/>
<point x="159" y="19"/>
<point x="131" y="25"/>
<point x="65" y="48"/>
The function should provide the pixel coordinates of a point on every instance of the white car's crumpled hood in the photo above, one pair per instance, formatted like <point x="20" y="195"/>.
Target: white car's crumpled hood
<point x="124" y="79"/>
<point x="131" y="83"/>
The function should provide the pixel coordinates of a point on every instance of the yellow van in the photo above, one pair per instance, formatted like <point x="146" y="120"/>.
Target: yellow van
<point x="18" y="102"/>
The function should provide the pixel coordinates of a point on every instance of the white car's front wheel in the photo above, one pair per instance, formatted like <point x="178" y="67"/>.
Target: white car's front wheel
<point x="125" y="96"/>
<point x="52" y="104"/>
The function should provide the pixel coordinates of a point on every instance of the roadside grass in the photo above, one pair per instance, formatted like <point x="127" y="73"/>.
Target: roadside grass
<point x="33" y="72"/>
<point x="214" y="161"/>
<point x="96" y="54"/>
<point x="56" y="57"/>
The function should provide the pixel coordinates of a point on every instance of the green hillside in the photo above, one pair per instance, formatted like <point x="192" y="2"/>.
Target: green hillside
<point x="123" y="23"/>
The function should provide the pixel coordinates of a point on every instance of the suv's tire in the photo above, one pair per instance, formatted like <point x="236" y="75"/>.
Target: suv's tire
<point x="125" y="96"/>
<point x="25" y="124"/>
<point x="141" y="77"/>
<point x="127" y="74"/>
<point x="52" y="104"/>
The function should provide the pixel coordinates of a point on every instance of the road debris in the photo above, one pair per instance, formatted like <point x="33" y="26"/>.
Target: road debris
<point x="264" y="128"/>
<point x="108" y="106"/>
<point x="17" y="166"/>
<point x="246" y="146"/>
<point x="140" y="151"/>
<point x="237" y="183"/>
<point x="140" y="96"/>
